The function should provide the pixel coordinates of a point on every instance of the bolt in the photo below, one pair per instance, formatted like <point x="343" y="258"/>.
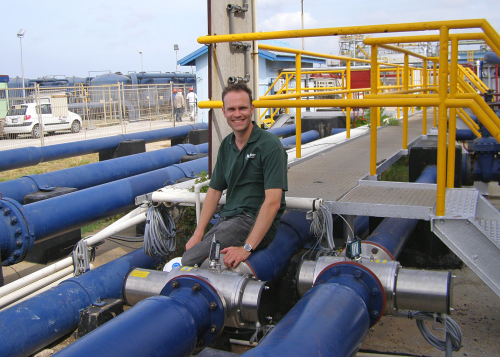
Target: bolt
<point x="475" y="257"/>
<point x="335" y="271"/>
<point x="6" y="211"/>
<point x="266" y="287"/>
<point x="213" y="305"/>
<point x="196" y="287"/>
<point x="375" y="291"/>
<point x="441" y="221"/>
<point x="19" y="243"/>
<point x="26" y="236"/>
<point x="46" y="185"/>
<point x="358" y="274"/>
<point x="1" y="205"/>
<point x="175" y="284"/>
<point x="375" y="313"/>
<point x="374" y="251"/>
<point x="18" y="231"/>
<point x="214" y="329"/>
<point x="16" y="253"/>
<point x="10" y="260"/>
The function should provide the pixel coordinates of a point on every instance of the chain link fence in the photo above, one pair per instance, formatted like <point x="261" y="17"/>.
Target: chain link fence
<point x="53" y="115"/>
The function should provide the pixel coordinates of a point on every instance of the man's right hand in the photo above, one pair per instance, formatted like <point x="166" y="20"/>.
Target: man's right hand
<point x="195" y="239"/>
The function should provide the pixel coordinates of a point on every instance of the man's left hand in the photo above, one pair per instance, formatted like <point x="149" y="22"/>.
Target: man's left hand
<point x="234" y="256"/>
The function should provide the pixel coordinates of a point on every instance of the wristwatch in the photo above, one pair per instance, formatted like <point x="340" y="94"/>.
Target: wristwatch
<point x="248" y="248"/>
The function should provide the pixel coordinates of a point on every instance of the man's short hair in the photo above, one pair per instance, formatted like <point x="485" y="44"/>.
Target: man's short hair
<point x="237" y="87"/>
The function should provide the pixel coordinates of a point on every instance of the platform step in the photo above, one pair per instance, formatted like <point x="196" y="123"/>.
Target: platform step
<point x="471" y="229"/>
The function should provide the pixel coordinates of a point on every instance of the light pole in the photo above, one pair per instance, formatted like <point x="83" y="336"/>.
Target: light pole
<point x="176" y="48"/>
<point x="142" y="67"/>
<point x="20" y="34"/>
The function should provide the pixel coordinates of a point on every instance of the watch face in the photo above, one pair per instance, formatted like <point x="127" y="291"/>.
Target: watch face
<point x="247" y="247"/>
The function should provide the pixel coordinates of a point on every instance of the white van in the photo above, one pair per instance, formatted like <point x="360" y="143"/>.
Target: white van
<point x="23" y="119"/>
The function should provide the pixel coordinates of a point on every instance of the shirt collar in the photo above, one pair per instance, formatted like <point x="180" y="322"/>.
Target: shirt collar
<point x="254" y="136"/>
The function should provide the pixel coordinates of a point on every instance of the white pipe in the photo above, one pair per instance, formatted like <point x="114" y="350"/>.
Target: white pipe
<point x="181" y="196"/>
<point x="29" y="289"/>
<point x="320" y="144"/>
<point x="135" y="217"/>
<point x="197" y="191"/>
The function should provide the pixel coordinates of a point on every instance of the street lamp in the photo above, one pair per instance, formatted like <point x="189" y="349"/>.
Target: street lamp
<point x="20" y="34"/>
<point x="142" y="67"/>
<point x="176" y="48"/>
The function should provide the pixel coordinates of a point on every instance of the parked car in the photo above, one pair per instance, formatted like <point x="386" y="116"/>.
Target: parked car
<point x="23" y="119"/>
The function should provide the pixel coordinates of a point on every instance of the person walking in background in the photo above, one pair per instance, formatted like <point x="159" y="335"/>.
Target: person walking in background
<point x="174" y="93"/>
<point x="179" y="104"/>
<point x="192" y="98"/>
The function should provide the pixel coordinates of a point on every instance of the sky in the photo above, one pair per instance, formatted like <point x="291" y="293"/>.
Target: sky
<point x="86" y="38"/>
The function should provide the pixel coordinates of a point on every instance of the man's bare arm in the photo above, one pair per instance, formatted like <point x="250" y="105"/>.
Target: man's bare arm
<point x="265" y="218"/>
<point x="209" y="206"/>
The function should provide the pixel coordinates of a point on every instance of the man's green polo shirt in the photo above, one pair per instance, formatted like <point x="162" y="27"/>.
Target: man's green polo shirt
<point x="260" y="165"/>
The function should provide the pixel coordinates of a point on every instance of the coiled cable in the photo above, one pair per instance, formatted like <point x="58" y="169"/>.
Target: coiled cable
<point x="159" y="232"/>
<point x="322" y="225"/>
<point x="451" y="328"/>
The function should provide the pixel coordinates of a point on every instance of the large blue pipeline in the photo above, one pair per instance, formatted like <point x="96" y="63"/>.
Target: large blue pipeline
<point x="170" y="326"/>
<point x="21" y="225"/>
<point x="33" y="324"/>
<point x="85" y="176"/>
<point x="284" y="130"/>
<point x="16" y="158"/>
<point x="306" y="137"/>
<point x="393" y="233"/>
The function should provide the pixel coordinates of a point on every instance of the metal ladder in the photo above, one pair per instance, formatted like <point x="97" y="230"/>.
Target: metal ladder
<point x="471" y="229"/>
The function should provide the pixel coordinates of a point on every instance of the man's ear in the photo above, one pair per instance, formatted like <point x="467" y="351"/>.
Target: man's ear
<point x="252" y="109"/>
<point x="223" y="111"/>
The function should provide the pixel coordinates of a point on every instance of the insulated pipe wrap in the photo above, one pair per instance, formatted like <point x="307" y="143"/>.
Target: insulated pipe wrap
<point x="36" y="322"/>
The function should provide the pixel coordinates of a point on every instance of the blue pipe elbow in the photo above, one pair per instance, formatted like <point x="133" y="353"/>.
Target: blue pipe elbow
<point x="52" y="314"/>
<point x="272" y="262"/>
<point x="286" y="129"/>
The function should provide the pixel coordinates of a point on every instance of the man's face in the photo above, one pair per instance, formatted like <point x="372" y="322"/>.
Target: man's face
<point x="238" y="111"/>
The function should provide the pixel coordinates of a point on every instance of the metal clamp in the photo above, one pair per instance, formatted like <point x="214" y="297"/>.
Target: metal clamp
<point x="81" y="260"/>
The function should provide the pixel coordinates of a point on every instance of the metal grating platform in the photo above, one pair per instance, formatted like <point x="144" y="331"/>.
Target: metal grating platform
<point x="335" y="172"/>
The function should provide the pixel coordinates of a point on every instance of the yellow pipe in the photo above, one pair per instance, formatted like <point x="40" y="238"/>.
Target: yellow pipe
<point x="352" y="30"/>
<point x="468" y="119"/>
<point x="318" y="103"/>
<point x="406" y="79"/>
<point x="424" y="109"/>
<point x="452" y="129"/>
<point x="467" y="122"/>
<point x="311" y="94"/>
<point x="402" y="50"/>
<point x="434" y="83"/>
<point x="442" y="123"/>
<point x="298" y="113"/>
<point x="373" y="120"/>
<point x="349" y="96"/>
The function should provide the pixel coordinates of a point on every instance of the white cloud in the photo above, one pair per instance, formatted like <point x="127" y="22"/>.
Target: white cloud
<point x="287" y="21"/>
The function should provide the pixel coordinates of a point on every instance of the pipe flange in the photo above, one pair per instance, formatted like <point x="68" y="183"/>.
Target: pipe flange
<point x="18" y="234"/>
<point x="372" y="250"/>
<point x="360" y="279"/>
<point x="194" y="287"/>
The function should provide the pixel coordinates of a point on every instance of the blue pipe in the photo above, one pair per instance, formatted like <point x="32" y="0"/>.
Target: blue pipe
<point x="332" y="319"/>
<point x="21" y="225"/>
<point x="32" y="324"/>
<point x="338" y="130"/>
<point x="393" y="233"/>
<point x="82" y="177"/>
<point x="306" y="137"/>
<point x="465" y="134"/>
<point x="272" y="262"/>
<point x="284" y="130"/>
<point x="168" y="325"/>
<point x="16" y="158"/>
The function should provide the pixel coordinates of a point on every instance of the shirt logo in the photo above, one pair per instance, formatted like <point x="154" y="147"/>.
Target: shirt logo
<point x="250" y="156"/>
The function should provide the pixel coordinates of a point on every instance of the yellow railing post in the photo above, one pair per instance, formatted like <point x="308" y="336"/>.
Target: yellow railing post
<point x="452" y="129"/>
<point x="434" y="84"/>
<point x="378" y="85"/>
<point x="287" y="110"/>
<point x="406" y="85"/>
<point x="373" y="113"/>
<point x="442" y="123"/>
<point x="398" y="87"/>
<point x="298" y="117"/>
<point x="349" y="96"/>
<point x="424" y="109"/>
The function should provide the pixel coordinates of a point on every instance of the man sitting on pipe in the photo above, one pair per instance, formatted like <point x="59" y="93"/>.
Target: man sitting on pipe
<point x="252" y="166"/>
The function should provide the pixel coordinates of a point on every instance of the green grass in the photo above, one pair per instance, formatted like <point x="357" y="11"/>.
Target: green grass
<point x="100" y="225"/>
<point x="398" y="172"/>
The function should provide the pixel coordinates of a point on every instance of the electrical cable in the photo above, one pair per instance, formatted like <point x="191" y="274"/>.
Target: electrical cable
<point x="451" y="328"/>
<point x="159" y="232"/>
<point x="322" y="225"/>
